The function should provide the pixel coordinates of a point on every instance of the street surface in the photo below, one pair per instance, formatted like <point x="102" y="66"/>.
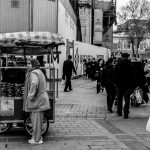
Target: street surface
<point x="83" y="123"/>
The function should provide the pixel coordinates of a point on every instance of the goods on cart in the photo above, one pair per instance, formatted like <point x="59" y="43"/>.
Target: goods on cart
<point x="13" y="79"/>
<point x="11" y="89"/>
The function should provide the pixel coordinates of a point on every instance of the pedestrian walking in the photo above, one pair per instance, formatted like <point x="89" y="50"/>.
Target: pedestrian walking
<point x="68" y="67"/>
<point x="36" y="99"/>
<point x="93" y="69"/>
<point x="125" y="82"/>
<point x="108" y="81"/>
<point x="88" y="68"/>
<point x="140" y="78"/>
<point x="99" y="70"/>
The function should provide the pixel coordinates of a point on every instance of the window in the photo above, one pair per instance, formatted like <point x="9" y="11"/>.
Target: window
<point x="125" y="45"/>
<point x="128" y="46"/>
<point x="14" y="4"/>
<point x="119" y="46"/>
<point x="142" y="46"/>
<point x="115" y="46"/>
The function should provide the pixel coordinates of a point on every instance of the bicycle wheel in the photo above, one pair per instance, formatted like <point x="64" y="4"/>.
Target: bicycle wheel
<point x="28" y="126"/>
<point x="4" y="127"/>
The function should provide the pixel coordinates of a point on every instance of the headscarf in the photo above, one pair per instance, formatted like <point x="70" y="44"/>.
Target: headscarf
<point x="35" y="64"/>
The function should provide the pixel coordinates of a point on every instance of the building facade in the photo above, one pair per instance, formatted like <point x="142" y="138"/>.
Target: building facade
<point x="85" y="14"/>
<point x="121" y="44"/>
<point x="14" y="15"/>
<point x="56" y="16"/>
<point x="97" y="19"/>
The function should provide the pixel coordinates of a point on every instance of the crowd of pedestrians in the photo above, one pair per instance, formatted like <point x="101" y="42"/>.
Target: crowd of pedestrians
<point x="120" y="77"/>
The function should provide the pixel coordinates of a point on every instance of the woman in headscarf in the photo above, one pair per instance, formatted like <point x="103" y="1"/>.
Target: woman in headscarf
<point x="36" y="99"/>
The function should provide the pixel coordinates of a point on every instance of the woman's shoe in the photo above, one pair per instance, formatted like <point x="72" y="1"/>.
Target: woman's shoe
<point x="40" y="142"/>
<point x="32" y="141"/>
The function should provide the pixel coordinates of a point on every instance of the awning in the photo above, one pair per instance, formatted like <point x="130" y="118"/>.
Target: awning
<point x="29" y="43"/>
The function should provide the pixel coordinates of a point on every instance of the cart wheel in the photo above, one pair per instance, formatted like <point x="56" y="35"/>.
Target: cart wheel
<point x="28" y="126"/>
<point x="4" y="127"/>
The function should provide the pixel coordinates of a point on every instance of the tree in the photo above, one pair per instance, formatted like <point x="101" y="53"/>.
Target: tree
<point x="134" y="17"/>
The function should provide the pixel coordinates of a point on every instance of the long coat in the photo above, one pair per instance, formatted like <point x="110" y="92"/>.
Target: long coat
<point x="124" y="74"/>
<point x="35" y="94"/>
<point x="108" y="75"/>
<point x="68" y="67"/>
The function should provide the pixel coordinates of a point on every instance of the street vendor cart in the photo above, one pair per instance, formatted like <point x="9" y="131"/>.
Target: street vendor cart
<point x="12" y="73"/>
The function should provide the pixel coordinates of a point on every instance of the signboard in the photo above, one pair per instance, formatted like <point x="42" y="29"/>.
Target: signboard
<point x="98" y="26"/>
<point x="108" y="38"/>
<point x="6" y="107"/>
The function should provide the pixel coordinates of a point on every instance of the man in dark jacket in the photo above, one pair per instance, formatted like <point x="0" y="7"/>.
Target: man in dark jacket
<point x="108" y="81"/>
<point x="68" y="66"/>
<point x="125" y="82"/>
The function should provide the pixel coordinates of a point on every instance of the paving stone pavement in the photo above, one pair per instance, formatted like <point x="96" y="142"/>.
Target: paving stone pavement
<point x="83" y="123"/>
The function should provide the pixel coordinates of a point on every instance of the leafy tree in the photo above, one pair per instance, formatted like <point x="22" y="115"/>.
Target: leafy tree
<point x="134" y="18"/>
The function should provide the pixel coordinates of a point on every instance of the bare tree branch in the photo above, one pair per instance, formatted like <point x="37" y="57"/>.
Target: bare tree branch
<point x="134" y="18"/>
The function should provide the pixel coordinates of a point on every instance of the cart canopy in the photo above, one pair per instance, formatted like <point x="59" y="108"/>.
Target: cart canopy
<point x="29" y="43"/>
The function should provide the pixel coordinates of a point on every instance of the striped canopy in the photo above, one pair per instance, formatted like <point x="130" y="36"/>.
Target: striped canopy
<point x="33" y="40"/>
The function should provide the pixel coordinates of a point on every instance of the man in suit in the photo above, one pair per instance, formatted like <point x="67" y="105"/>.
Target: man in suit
<point x="68" y="67"/>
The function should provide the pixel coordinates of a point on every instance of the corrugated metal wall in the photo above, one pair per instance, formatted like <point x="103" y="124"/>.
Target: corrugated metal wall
<point x="45" y="15"/>
<point x="14" y="19"/>
<point x="36" y="15"/>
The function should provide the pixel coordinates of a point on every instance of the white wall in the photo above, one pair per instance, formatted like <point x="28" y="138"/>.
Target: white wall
<point x="66" y="26"/>
<point x="45" y="15"/>
<point x="84" y="50"/>
<point x="80" y="51"/>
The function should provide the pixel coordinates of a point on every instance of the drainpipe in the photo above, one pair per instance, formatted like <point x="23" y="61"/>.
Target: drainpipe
<point x="31" y="15"/>
<point x="92" y="21"/>
<point x="57" y="18"/>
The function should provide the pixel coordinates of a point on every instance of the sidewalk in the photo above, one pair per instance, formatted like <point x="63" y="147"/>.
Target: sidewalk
<point x="83" y="123"/>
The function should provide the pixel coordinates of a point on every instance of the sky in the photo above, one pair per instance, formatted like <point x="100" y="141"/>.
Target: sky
<point x="120" y="3"/>
<point x="123" y="3"/>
